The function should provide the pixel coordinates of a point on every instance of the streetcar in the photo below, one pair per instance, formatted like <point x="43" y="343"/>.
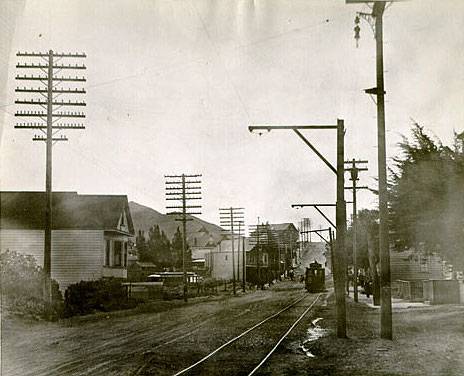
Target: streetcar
<point x="315" y="277"/>
<point x="173" y="282"/>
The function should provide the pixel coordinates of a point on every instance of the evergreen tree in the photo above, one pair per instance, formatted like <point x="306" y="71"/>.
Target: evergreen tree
<point x="142" y="247"/>
<point x="164" y="249"/>
<point x="154" y="236"/>
<point x="176" y="244"/>
<point x="427" y="196"/>
<point x="367" y="227"/>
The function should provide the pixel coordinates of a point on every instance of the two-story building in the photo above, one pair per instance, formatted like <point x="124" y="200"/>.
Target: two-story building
<point x="219" y="260"/>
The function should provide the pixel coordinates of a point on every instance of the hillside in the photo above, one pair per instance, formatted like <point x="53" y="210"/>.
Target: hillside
<point x="145" y="217"/>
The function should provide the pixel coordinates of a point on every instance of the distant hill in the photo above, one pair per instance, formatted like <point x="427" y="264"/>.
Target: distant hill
<point x="199" y="232"/>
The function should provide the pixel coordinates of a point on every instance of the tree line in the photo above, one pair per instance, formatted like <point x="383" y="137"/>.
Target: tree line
<point x="426" y="201"/>
<point x="161" y="251"/>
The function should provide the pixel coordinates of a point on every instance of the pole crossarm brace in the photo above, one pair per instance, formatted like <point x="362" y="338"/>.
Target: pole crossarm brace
<point x="296" y="129"/>
<point x="313" y="148"/>
<point x="324" y="239"/>
<point x="317" y="232"/>
<point x="316" y="206"/>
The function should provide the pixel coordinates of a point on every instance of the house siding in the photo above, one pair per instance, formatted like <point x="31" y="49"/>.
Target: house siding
<point x="221" y="265"/>
<point x="411" y="267"/>
<point x="76" y="254"/>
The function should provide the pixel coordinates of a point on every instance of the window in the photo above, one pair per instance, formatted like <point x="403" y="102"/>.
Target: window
<point x="107" y="252"/>
<point x="125" y="253"/>
<point x="117" y="260"/>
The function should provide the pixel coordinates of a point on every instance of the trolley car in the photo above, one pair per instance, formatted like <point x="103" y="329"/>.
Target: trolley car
<point x="315" y="277"/>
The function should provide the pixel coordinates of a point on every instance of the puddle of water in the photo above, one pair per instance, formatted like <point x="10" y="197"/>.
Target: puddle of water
<point x="313" y="334"/>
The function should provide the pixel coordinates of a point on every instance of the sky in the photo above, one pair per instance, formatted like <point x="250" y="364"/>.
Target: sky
<point x="173" y="85"/>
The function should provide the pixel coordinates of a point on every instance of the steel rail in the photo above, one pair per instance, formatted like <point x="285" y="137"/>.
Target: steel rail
<point x="284" y="336"/>
<point x="206" y="357"/>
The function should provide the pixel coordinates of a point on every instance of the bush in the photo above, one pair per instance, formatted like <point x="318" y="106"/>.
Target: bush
<point x="91" y="296"/>
<point x="22" y="282"/>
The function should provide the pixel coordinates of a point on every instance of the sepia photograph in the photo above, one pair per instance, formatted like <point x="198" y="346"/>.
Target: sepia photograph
<point x="231" y="187"/>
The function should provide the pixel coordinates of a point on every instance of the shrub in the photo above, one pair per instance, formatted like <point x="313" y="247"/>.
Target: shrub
<point x="87" y="297"/>
<point x="22" y="283"/>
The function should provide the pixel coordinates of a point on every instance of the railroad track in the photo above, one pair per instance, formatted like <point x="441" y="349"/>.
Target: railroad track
<point x="198" y="368"/>
<point x="196" y="327"/>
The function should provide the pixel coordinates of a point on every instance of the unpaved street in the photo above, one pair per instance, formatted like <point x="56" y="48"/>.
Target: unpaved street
<point x="150" y="343"/>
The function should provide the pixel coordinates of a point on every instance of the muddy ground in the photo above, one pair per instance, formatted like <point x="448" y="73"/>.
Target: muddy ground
<point x="428" y="340"/>
<point x="153" y="343"/>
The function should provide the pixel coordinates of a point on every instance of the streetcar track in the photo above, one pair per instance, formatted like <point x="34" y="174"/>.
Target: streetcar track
<point x="211" y="354"/>
<point x="268" y="355"/>
<point x="210" y="317"/>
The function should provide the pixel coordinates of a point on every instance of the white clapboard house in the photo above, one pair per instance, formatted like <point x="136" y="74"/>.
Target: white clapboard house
<point x="90" y="233"/>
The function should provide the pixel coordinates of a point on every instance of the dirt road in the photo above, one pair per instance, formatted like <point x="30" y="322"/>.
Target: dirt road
<point x="143" y="344"/>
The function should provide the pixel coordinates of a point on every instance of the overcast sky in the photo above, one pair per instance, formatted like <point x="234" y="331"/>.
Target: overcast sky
<point x="173" y="86"/>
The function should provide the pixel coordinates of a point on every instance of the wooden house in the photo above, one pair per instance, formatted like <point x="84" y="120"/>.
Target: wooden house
<point x="287" y="236"/>
<point x="219" y="261"/>
<point x="411" y="265"/>
<point x="409" y="269"/>
<point x="90" y="233"/>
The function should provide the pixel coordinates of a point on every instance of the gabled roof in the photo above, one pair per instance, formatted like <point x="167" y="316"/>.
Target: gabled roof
<point x="283" y="226"/>
<point x="70" y="210"/>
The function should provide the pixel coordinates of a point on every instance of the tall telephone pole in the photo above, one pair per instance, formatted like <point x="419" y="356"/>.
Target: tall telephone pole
<point x="183" y="188"/>
<point x="45" y="96"/>
<point x="376" y="20"/>
<point x="230" y="218"/>
<point x="354" y="172"/>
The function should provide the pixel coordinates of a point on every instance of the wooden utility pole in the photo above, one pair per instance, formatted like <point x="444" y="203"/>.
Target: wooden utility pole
<point x="375" y="19"/>
<point x="341" y="206"/>
<point x="182" y="188"/>
<point x="230" y="217"/>
<point x="49" y="66"/>
<point x="241" y="235"/>
<point x="341" y="229"/>
<point x="354" y="172"/>
<point x="244" y="263"/>
<point x="386" y="330"/>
